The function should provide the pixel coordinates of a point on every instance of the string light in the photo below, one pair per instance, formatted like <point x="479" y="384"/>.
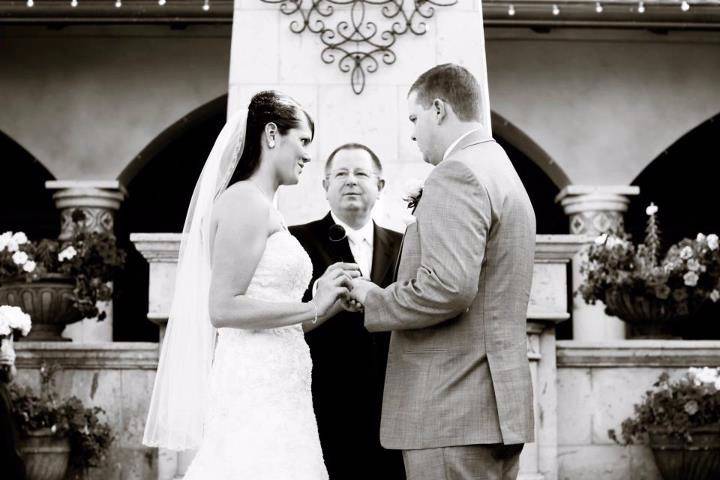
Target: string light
<point x="118" y="4"/>
<point x="511" y="10"/>
<point x="30" y="3"/>
<point x="685" y="6"/>
<point x="206" y="5"/>
<point x="161" y="3"/>
<point x="641" y="7"/>
<point x="74" y="3"/>
<point x="598" y="7"/>
<point x="555" y="10"/>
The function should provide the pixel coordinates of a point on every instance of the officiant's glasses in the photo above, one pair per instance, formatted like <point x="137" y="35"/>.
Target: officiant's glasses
<point x="342" y="174"/>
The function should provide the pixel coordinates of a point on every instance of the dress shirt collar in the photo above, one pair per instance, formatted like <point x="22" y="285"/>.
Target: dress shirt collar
<point x="459" y="139"/>
<point x="364" y="233"/>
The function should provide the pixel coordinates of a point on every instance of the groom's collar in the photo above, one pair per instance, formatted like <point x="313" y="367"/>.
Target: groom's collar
<point x="472" y="137"/>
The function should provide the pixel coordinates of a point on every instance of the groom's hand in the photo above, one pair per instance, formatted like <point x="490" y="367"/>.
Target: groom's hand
<point x="360" y="288"/>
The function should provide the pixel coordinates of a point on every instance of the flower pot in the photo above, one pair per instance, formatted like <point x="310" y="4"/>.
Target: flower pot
<point x="678" y="460"/>
<point x="46" y="456"/>
<point x="648" y="317"/>
<point x="47" y="300"/>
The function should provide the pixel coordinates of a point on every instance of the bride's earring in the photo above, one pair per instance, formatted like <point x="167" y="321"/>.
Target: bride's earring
<point x="271" y="143"/>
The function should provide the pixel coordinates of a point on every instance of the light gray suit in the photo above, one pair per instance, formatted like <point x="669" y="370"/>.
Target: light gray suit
<point x="458" y="372"/>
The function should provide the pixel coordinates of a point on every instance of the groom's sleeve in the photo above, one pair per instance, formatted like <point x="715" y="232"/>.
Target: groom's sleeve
<point x="453" y="222"/>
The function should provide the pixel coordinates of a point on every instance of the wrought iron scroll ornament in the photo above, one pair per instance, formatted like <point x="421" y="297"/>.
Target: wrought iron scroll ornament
<point x="359" y="43"/>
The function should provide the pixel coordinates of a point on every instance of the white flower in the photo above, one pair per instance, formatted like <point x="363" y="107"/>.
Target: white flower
<point x="712" y="241"/>
<point x="29" y="266"/>
<point x="20" y="238"/>
<point x="5" y="240"/>
<point x="13" y="318"/>
<point x="691" y="279"/>
<point x="12" y="246"/>
<point x="413" y="191"/>
<point x="53" y="429"/>
<point x="700" y="237"/>
<point x="704" y="375"/>
<point x="686" y="253"/>
<point x="67" y="254"/>
<point x="651" y="209"/>
<point x="20" y="258"/>
<point x="717" y="384"/>
<point x="693" y="265"/>
<point x="601" y="239"/>
<point x="714" y="295"/>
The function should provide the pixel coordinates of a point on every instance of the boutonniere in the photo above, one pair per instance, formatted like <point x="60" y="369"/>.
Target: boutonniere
<point x="413" y="194"/>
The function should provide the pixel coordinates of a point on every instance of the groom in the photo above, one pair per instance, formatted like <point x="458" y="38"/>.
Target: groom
<point x="458" y="395"/>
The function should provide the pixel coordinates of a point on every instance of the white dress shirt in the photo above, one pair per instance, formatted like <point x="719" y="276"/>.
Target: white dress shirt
<point x="459" y="139"/>
<point x="361" y="243"/>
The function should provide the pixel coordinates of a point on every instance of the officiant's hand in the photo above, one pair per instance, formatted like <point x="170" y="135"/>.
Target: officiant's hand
<point x="333" y="286"/>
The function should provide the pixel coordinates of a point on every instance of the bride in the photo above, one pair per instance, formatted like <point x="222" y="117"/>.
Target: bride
<point x="234" y="374"/>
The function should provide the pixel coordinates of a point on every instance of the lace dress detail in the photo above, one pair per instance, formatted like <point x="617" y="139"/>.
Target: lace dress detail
<point x="260" y="423"/>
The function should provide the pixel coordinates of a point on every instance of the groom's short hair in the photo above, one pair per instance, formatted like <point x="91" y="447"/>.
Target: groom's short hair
<point x="353" y="146"/>
<point x="453" y="84"/>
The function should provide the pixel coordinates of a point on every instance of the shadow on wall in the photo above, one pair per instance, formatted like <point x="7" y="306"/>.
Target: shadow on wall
<point x="682" y="182"/>
<point x="25" y="204"/>
<point x="160" y="183"/>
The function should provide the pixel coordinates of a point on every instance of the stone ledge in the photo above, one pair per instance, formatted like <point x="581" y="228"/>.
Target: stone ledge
<point x="638" y="353"/>
<point x="88" y="356"/>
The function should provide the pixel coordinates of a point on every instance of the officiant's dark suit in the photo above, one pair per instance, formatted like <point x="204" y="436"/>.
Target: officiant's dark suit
<point x="348" y="361"/>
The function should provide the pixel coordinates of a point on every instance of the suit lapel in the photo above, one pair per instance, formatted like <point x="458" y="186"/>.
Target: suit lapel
<point x="339" y="251"/>
<point x="381" y="255"/>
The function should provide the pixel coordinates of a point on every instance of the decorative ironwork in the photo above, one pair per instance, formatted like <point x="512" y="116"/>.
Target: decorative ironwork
<point x="359" y="43"/>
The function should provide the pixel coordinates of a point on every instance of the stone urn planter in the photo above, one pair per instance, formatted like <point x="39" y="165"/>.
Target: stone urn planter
<point x="46" y="456"/>
<point x="648" y="317"/>
<point x="679" y="460"/>
<point x="47" y="300"/>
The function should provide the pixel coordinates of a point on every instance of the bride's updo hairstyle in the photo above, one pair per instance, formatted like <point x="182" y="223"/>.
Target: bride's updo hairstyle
<point x="267" y="107"/>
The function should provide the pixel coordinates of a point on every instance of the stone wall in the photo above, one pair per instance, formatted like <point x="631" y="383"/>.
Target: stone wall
<point x="598" y="384"/>
<point x="117" y="377"/>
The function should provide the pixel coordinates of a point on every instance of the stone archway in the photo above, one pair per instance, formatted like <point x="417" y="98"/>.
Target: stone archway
<point x="542" y="177"/>
<point x="25" y="204"/>
<point x="160" y="182"/>
<point x="682" y="183"/>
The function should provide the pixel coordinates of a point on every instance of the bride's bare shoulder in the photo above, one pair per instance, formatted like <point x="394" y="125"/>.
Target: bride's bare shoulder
<point x="242" y="199"/>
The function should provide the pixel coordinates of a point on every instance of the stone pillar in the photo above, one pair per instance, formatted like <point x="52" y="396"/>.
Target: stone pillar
<point x="161" y="252"/>
<point x="98" y="200"/>
<point x="594" y="210"/>
<point x="377" y="117"/>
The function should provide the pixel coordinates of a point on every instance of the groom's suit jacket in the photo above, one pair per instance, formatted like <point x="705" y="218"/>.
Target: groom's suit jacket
<point x="458" y="371"/>
<point x="349" y="364"/>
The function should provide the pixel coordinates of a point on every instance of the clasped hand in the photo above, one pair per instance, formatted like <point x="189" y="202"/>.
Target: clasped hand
<point x="341" y="286"/>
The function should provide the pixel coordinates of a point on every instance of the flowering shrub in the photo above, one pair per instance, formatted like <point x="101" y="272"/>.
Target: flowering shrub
<point x="90" y="258"/>
<point x="676" y="407"/>
<point x="89" y="437"/>
<point x="687" y="276"/>
<point x="14" y="320"/>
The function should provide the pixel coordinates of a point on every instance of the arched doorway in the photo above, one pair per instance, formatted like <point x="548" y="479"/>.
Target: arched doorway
<point x="25" y="204"/>
<point x="682" y="183"/>
<point x="160" y="182"/>
<point x="543" y="179"/>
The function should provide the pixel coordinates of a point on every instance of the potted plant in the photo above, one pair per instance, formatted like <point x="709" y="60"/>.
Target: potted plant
<point x="56" y="282"/>
<point x="680" y="421"/>
<point x="645" y="290"/>
<point x="57" y="434"/>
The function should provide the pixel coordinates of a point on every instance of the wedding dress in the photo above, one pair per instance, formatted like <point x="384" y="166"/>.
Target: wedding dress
<point x="260" y="423"/>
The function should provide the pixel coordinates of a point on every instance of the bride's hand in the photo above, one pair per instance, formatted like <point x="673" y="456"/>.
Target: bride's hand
<point x="334" y="284"/>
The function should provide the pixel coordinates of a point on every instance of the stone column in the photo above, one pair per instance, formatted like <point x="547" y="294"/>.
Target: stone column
<point x="594" y="210"/>
<point x="98" y="200"/>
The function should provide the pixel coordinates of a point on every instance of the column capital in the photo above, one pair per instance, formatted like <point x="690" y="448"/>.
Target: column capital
<point x="97" y="199"/>
<point x="595" y="209"/>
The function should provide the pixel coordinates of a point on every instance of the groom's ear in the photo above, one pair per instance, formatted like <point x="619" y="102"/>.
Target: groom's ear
<point x="381" y="185"/>
<point x="439" y="110"/>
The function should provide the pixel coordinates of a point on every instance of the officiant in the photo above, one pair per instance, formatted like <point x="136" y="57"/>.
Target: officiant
<point x="348" y="361"/>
